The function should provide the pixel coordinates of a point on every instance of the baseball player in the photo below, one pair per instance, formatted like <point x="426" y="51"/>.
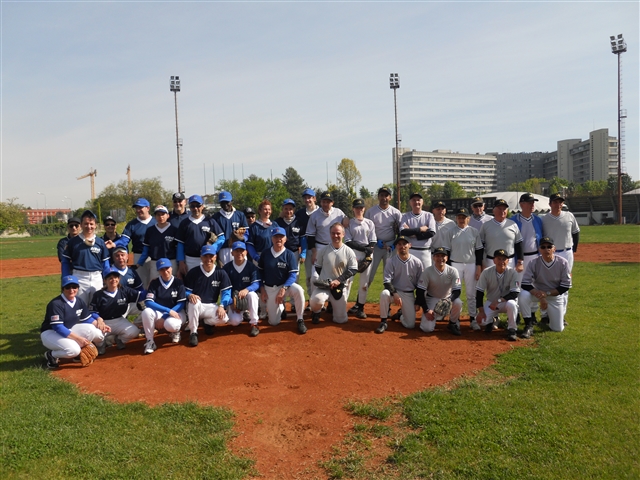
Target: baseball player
<point x="439" y="210"/>
<point x="360" y="236"/>
<point x="164" y="306"/>
<point x="296" y="243"/>
<point x="179" y="212"/>
<point x="134" y="232"/>
<point x="420" y="227"/>
<point x="86" y="257"/>
<point x="386" y="219"/>
<point x="205" y="285"/>
<point x="245" y="280"/>
<point x="546" y="280"/>
<point x="68" y="326"/>
<point x="335" y="264"/>
<point x="250" y="215"/>
<point x="110" y="233"/>
<point x="441" y="281"/>
<point x="563" y="228"/>
<point x="502" y="286"/>
<point x="502" y="233"/>
<point x="402" y="277"/>
<point x="112" y="304"/>
<point x="302" y="215"/>
<point x="478" y="216"/>
<point x="194" y="232"/>
<point x="260" y="232"/>
<point x="159" y="242"/>
<point x="279" y="269"/>
<point x="128" y="276"/>
<point x="465" y="251"/>
<point x="73" y="229"/>
<point x="320" y="222"/>
<point x="230" y="220"/>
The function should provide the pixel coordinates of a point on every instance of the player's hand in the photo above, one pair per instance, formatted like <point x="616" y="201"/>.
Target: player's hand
<point x="174" y="314"/>
<point x="430" y="315"/>
<point x="313" y="257"/>
<point x="263" y="296"/>
<point x="301" y="259"/>
<point x="243" y="293"/>
<point x="397" y="299"/>
<point x="478" y="272"/>
<point x="193" y="298"/>
<point x="280" y="296"/>
<point x="109" y="244"/>
<point x="520" y="267"/>
<point x="182" y="269"/>
<point x="334" y="284"/>
<point x="107" y="329"/>
<point x="221" y="312"/>
<point x="345" y="222"/>
<point x="493" y="305"/>
<point x="480" y="316"/>
<point x="543" y="303"/>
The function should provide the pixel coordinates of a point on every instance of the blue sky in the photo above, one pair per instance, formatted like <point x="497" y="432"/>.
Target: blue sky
<point x="269" y="85"/>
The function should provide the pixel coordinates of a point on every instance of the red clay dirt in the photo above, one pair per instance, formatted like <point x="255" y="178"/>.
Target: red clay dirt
<point x="288" y="390"/>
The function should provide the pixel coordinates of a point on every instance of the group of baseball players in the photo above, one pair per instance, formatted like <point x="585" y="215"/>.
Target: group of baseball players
<point x="191" y="269"/>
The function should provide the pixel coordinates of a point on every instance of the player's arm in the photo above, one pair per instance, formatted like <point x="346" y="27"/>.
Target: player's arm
<point x="480" y="315"/>
<point x="303" y="248"/>
<point x="225" y="297"/>
<point x="144" y="255"/>
<point x="576" y="239"/>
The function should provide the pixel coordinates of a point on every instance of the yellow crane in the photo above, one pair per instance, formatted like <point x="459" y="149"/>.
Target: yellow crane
<point x="92" y="173"/>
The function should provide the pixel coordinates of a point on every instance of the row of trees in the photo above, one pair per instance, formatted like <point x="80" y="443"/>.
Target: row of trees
<point x="589" y="188"/>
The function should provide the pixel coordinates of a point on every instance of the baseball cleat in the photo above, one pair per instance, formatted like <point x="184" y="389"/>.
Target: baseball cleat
<point x="488" y="328"/>
<point x="208" y="329"/>
<point x="396" y="316"/>
<point x="120" y="345"/>
<point x="52" y="362"/>
<point x="360" y="313"/>
<point x="175" y="337"/>
<point x="511" y="335"/>
<point x="474" y="325"/>
<point x="193" y="339"/>
<point x="454" y="328"/>
<point x="353" y="309"/>
<point x="283" y="315"/>
<point x="254" y="331"/>
<point x="302" y="328"/>
<point x="315" y="318"/>
<point x="527" y="332"/>
<point x="382" y="327"/>
<point x="149" y="347"/>
<point x="102" y="349"/>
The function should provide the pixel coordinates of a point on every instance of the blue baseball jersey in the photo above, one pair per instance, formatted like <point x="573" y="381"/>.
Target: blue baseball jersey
<point x="279" y="269"/>
<point x="113" y="305"/>
<point x="293" y="233"/>
<point x="167" y="294"/>
<point x="62" y="244"/>
<point x="232" y="223"/>
<point x="248" y="277"/>
<point x="193" y="234"/>
<point x="134" y="232"/>
<point x="259" y="238"/>
<point x="60" y="316"/>
<point x="176" y="219"/>
<point x="105" y="238"/>
<point x="208" y="286"/>
<point x="130" y="278"/>
<point x="88" y="258"/>
<point x="161" y="244"/>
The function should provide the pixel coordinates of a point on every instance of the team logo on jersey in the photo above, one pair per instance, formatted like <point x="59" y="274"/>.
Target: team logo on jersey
<point x="130" y="281"/>
<point x="55" y="318"/>
<point x="95" y="249"/>
<point x="282" y="265"/>
<point x="122" y="301"/>
<point x="215" y="283"/>
<point x="174" y="294"/>
<point x="457" y="282"/>
<point x="246" y="279"/>
<point x="79" y="312"/>
<point x="168" y="239"/>
<point x="235" y="225"/>
<point x="295" y="229"/>
<point x="204" y="228"/>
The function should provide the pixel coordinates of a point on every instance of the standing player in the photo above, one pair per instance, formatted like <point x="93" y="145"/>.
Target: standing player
<point x="165" y="303"/>
<point x="502" y="286"/>
<point x="250" y="214"/>
<point x="206" y="284"/>
<point x="478" y="216"/>
<point x="530" y="226"/>
<point x="179" y="211"/>
<point x="73" y="229"/>
<point x="159" y="241"/>
<point x="563" y="228"/>
<point x="386" y="219"/>
<point x="303" y="214"/>
<point x="360" y="236"/>
<point x="278" y="269"/>
<point x="402" y="277"/>
<point x="419" y="226"/>
<point x="502" y="233"/>
<point x="230" y="220"/>
<point x="546" y="280"/>
<point x="245" y="280"/>
<point x="259" y="238"/>
<point x="439" y="210"/>
<point x="335" y="264"/>
<point x="110" y="233"/>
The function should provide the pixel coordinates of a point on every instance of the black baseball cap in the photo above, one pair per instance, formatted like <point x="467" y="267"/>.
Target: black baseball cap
<point x="463" y="211"/>
<point x="401" y="238"/>
<point x="384" y="190"/>
<point x="415" y="194"/>
<point x="527" y="197"/>
<point x="249" y="211"/>
<point x="556" y="196"/>
<point x="501" y="252"/>
<point x="178" y="197"/>
<point x="439" y="251"/>
<point x="477" y="200"/>
<point x="438" y="204"/>
<point x="358" y="202"/>
<point x="326" y="196"/>
<point x="501" y="202"/>
<point x="109" y="218"/>
<point x="74" y="220"/>
<point x="548" y="240"/>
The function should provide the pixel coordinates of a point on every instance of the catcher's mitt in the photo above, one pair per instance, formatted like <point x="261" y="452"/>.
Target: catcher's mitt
<point x="443" y="307"/>
<point x="364" y="263"/>
<point x="239" y="304"/>
<point x="239" y="234"/>
<point x="326" y="284"/>
<point x="88" y="354"/>
<point x="211" y="238"/>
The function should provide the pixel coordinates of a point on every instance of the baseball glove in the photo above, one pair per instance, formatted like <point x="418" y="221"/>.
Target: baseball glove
<point x="211" y="238"/>
<point x="364" y="263"/>
<point x="88" y="354"/>
<point x="443" y="307"/>
<point x="326" y="284"/>
<point x="239" y="304"/>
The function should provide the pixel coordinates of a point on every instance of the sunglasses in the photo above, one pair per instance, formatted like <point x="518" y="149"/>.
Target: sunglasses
<point x="71" y="287"/>
<point x="73" y="225"/>
<point x="546" y="247"/>
<point x="109" y="224"/>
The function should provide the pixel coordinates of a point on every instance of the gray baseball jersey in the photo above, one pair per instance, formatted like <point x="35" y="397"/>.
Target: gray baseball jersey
<point x="423" y="219"/>
<point x="335" y="261"/>
<point x="404" y="275"/>
<point x="441" y="229"/>
<point x="462" y="243"/>
<point x="320" y="222"/>
<point x="495" y="235"/>
<point x="497" y="285"/>
<point x="385" y="221"/>
<point x="361" y="231"/>
<point x="547" y="276"/>
<point x="528" y="232"/>
<point x="440" y="284"/>
<point x="560" y="228"/>
<point x="476" y="221"/>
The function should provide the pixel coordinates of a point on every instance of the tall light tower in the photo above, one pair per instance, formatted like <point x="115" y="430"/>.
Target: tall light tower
<point x="394" y="84"/>
<point x="46" y="216"/>
<point x="175" y="88"/>
<point x="619" y="46"/>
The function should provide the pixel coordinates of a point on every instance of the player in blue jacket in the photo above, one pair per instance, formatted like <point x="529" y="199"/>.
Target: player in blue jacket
<point x="245" y="280"/>
<point x="230" y="220"/>
<point x="73" y="229"/>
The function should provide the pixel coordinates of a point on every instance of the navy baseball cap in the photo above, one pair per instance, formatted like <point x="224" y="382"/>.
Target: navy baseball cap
<point x="278" y="231"/>
<point x="527" y="197"/>
<point x="225" y="197"/>
<point x="111" y="271"/>
<point x="309" y="191"/>
<point x="439" y="251"/>
<point x="401" y="238"/>
<point x="415" y="194"/>
<point x="326" y="196"/>
<point x="76" y="220"/>
<point x="384" y="190"/>
<point x="70" y="280"/>
<point x="358" y="202"/>
<point x="556" y="196"/>
<point x="196" y="199"/>
<point x="160" y="209"/>
<point x="178" y="197"/>
<point x="288" y="201"/>
<point x="501" y="202"/>
<point x="207" y="250"/>
<point x="239" y="246"/>
<point x="438" y="204"/>
<point x="477" y="201"/>
<point x="548" y="240"/>
<point x="501" y="252"/>
<point x="163" y="263"/>
<point x="88" y="213"/>
<point x="142" y="202"/>
<point x="463" y="211"/>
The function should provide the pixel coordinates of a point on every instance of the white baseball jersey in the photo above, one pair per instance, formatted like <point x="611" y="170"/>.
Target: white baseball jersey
<point x="441" y="229"/>
<point x="560" y="229"/>
<point x="462" y="243"/>
<point x="385" y="221"/>
<point x="440" y="284"/>
<point x="334" y="261"/>
<point x="320" y="222"/>
<point x="361" y="231"/>
<point x="476" y="221"/>
<point x="423" y="219"/>
<point x="528" y="232"/>
<point x="404" y="275"/>
<point x="497" y="285"/>
<point x="496" y="235"/>
<point x="547" y="276"/>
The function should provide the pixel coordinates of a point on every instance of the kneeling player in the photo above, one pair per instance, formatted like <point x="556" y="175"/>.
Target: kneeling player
<point x="246" y="282"/>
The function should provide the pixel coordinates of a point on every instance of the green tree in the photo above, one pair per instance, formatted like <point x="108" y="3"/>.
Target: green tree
<point x="627" y="183"/>
<point x="592" y="188"/>
<point x="341" y="199"/>
<point x="405" y="193"/>
<point x="117" y="196"/>
<point x="556" y="184"/>
<point x="435" y="192"/>
<point x="348" y="176"/>
<point x="365" y="192"/>
<point x="294" y="184"/>
<point x="532" y="185"/>
<point x="11" y="214"/>
<point x="453" y="190"/>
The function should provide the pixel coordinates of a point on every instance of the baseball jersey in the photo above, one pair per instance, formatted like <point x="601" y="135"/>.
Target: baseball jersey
<point x="404" y="275"/>
<point x="243" y="276"/>
<point x="193" y="233"/>
<point x="361" y="231"/>
<point x="386" y="221"/>
<point x="547" y="276"/>
<point x="230" y="221"/>
<point x="560" y="228"/>
<point x="476" y="221"/>
<point x="62" y="244"/>
<point x="440" y="284"/>
<point x="303" y="219"/>
<point x="61" y="315"/>
<point x="496" y="235"/>
<point x="160" y="242"/>
<point x="293" y="232"/>
<point x="88" y="258"/>
<point x="130" y="278"/>
<point x="531" y="231"/>
<point x="278" y="268"/>
<point x="134" y="232"/>
<point x="176" y="219"/>
<point x="110" y="305"/>
<point x="441" y="229"/>
<point x="320" y="222"/>
<point x="167" y="294"/>
<point x="462" y="243"/>
<point x="333" y="262"/>
<point x="209" y="286"/>
<point x="259" y="238"/>
<point x="497" y="285"/>
<point x="422" y="219"/>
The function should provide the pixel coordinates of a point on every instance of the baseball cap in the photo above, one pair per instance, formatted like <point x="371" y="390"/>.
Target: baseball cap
<point x="77" y="220"/>
<point x="548" y="240"/>
<point x="239" y="246"/>
<point x="110" y="271"/>
<point x="463" y="211"/>
<point x="88" y="213"/>
<point x="160" y="209"/>
<point x="527" y="197"/>
<point x="326" y="196"/>
<point x="401" y="238"/>
<point x="277" y="231"/>
<point x="384" y="190"/>
<point x="501" y="252"/>
<point x="142" y="202"/>
<point x="477" y="200"/>
<point x="438" y="204"/>
<point x="249" y="211"/>
<point x="556" y="196"/>
<point x="288" y="201"/>
<point x="108" y="218"/>
<point x="207" y="250"/>
<point x="163" y="263"/>
<point x="196" y="199"/>
<point x="225" y="196"/>
<point x="120" y="249"/>
<point x="309" y="191"/>
<point x="178" y="197"/>
<point x="415" y="194"/>
<point x="501" y="202"/>
<point x="70" y="280"/>
<point x="439" y="251"/>
<point x="358" y="202"/>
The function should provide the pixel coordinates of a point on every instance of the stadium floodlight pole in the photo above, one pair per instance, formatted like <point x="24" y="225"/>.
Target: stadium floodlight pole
<point x="70" y="202"/>
<point x="394" y="84"/>
<point x="619" y="46"/>
<point x="175" y="88"/>
<point x="46" y="220"/>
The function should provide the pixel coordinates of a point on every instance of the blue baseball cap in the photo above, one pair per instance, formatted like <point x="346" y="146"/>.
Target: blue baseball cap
<point x="142" y="202"/>
<point x="163" y="263"/>
<point x="88" y="213"/>
<point x="288" y="201"/>
<point x="111" y="271"/>
<point x="70" y="280"/>
<point x="207" y="250"/>
<point x="309" y="191"/>
<point x="238" y="246"/>
<point x="225" y="197"/>
<point x="278" y="231"/>
<point x="196" y="199"/>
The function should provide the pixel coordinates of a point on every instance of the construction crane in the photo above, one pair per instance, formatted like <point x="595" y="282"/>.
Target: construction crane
<point x="92" y="173"/>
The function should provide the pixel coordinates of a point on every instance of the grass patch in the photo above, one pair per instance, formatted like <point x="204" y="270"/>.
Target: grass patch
<point x="30" y="247"/>
<point x="610" y="234"/>
<point x="379" y="409"/>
